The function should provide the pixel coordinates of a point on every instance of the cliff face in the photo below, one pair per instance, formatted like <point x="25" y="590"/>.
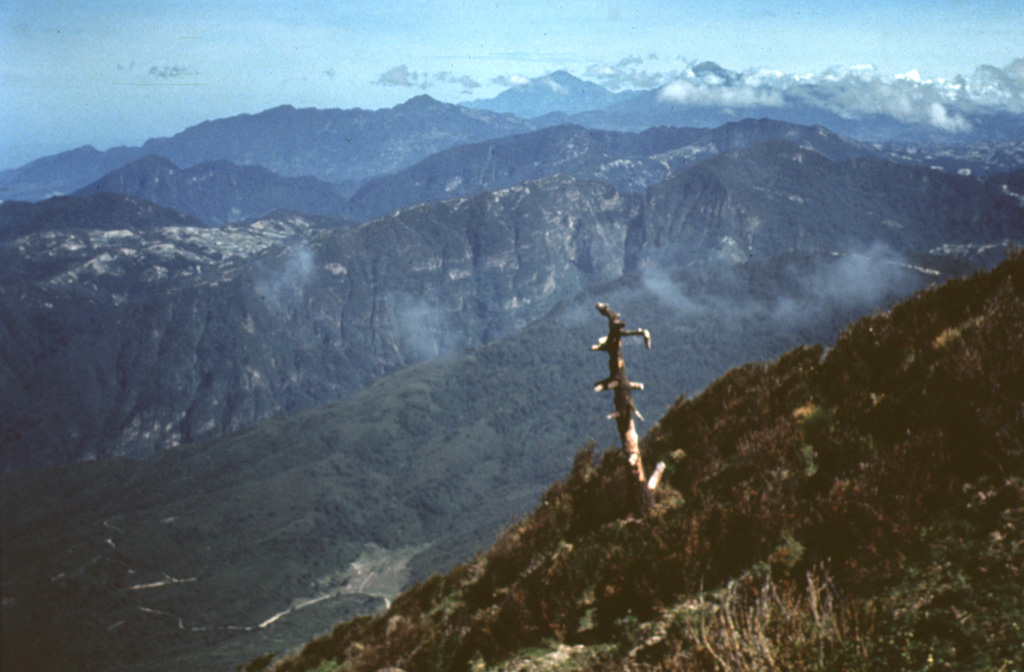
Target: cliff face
<point x="139" y="329"/>
<point x="143" y="337"/>
<point x="779" y="197"/>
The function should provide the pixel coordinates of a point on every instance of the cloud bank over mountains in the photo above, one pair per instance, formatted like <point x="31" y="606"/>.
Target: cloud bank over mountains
<point x="859" y="91"/>
<point x="851" y="92"/>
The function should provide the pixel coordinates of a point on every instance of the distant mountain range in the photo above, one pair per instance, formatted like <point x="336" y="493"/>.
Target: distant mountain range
<point x="344" y="147"/>
<point x="221" y="192"/>
<point x="558" y="93"/>
<point x="348" y="147"/>
<point x="630" y="162"/>
<point x="856" y="102"/>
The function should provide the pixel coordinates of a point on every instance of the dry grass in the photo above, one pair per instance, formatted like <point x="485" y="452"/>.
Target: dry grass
<point x="747" y="627"/>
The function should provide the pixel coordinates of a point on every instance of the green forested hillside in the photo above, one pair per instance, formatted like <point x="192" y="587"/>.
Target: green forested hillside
<point x="856" y="508"/>
<point x="420" y="471"/>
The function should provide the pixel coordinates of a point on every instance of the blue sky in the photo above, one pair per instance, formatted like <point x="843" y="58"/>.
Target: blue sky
<point x="109" y="72"/>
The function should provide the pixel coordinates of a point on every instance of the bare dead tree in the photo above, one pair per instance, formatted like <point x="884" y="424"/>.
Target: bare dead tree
<point x="625" y="409"/>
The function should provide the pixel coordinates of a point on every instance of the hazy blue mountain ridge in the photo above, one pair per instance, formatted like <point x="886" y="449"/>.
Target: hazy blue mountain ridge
<point x="64" y="172"/>
<point x="629" y="161"/>
<point x="335" y="145"/>
<point x="221" y="192"/>
<point x="347" y="147"/>
<point x="338" y="146"/>
<point x="853" y="104"/>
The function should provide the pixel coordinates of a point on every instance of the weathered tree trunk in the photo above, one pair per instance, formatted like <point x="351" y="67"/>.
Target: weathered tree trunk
<point x="625" y="409"/>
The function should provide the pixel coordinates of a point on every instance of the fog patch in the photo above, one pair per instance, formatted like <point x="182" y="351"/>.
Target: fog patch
<point x="671" y="294"/>
<point x="425" y="328"/>
<point x="284" y="283"/>
<point x="855" y="281"/>
<point x="940" y="117"/>
<point x="799" y="294"/>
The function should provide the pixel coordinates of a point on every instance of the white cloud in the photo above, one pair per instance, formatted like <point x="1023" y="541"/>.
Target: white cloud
<point x="851" y="92"/>
<point x="467" y="82"/>
<point x="511" y="80"/>
<point x="676" y="296"/>
<point x="169" y="71"/>
<point x="941" y="118"/>
<point x="713" y="94"/>
<point x="912" y="76"/>
<point x="998" y="87"/>
<point x="282" y="283"/>
<point x="399" y="76"/>
<point x="402" y="76"/>
<point x="425" y="325"/>
<point x="628" y="73"/>
<point x="856" y="93"/>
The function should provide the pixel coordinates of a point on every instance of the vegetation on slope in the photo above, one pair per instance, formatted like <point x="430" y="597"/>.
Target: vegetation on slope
<point x="860" y="508"/>
<point x="442" y="453"/>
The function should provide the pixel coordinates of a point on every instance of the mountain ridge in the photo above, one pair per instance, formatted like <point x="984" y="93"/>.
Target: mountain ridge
<point x="349" y="146"/>
<point x="220" y="192"/>
<point x="855" y="102"/>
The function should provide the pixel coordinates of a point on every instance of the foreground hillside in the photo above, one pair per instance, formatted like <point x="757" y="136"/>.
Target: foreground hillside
<point x="856" y="508"/>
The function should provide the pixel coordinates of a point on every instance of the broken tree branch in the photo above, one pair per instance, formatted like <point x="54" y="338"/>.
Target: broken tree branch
<point x="625" y="408"/>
